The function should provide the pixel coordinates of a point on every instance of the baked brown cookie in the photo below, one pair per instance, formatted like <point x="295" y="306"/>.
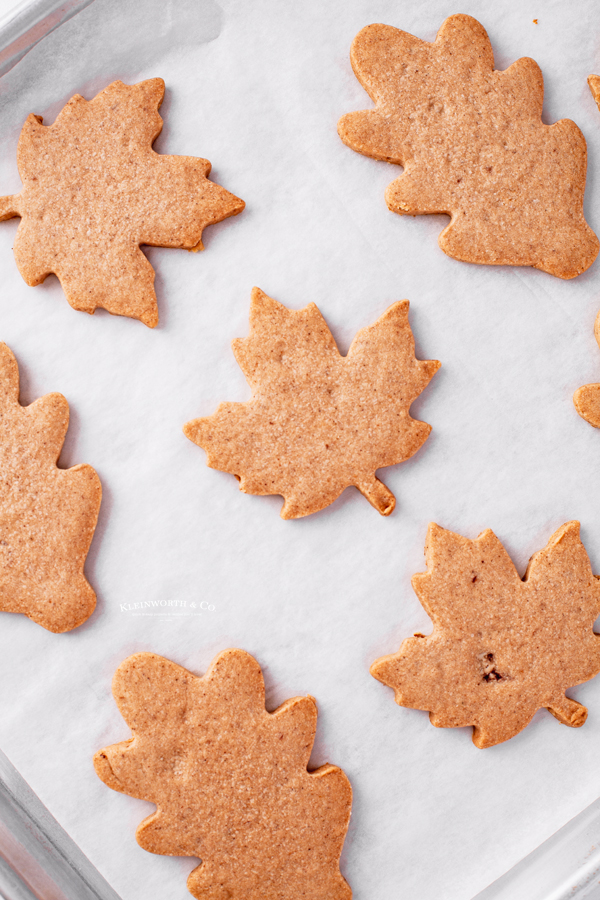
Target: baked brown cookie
<point x="47" y="515"/>
<point x="473" y="146"/>
<point x="594" y="83"/>
<point x="587" y="398"/>
<point x="229" y="780"/>
<point x="317" y="421"/>
<point x="502" y="647"/>
<point x="94" y="190"/>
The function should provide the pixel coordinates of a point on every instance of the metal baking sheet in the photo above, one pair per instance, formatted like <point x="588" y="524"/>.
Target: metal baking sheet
<point x="257" y="89"/>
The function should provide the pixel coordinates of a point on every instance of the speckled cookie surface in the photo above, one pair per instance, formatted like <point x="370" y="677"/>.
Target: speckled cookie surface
<point x="229" y="780"/>
<point x="473" y="145"/>
<point x="318" y="422"/>
<point x="94" y="190"/>
<point x="47" y="515"/>
<point x="502" y="647"/>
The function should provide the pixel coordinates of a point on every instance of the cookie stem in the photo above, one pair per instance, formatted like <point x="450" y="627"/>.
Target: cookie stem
<point x="568" y="711"/>
<point x="378" y="496"/>
<point x="9" y="207"/>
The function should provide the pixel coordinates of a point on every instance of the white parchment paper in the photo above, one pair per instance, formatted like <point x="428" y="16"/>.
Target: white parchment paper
<point x="258" y="88"/>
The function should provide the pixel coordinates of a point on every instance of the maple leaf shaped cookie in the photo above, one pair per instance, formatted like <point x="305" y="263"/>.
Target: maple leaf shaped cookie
<point x="47" y="515"/>
<point x="94" y="190"/>
<point x="317" y="421"/>
<point x="229" y="780"/>
<point x="473" y="145"/>
<point x="501" y="647"/>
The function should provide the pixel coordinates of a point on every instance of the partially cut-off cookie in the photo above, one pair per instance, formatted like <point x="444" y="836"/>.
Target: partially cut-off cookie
<point x="47" y="515"/>
<point x="502" y="647"/>
<point x="473" y="146"/>
<point x="229" y="780"/>
<point x="318" y="421"/>
<point x="587" y="398"/>
<point x="94" y="190"/>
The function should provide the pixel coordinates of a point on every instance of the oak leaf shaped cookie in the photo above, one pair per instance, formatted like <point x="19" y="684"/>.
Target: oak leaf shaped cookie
<point x="473" y="146"/>
<point x="317" y="421"/>
<point x="501" y="647"/>
<point x="229" y="780"/>
<point x="94" y="190"/>
<point x="47" y="515"/>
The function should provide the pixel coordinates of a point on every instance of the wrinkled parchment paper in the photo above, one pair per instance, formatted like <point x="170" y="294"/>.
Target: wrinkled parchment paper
<point x="257" y="88"/>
